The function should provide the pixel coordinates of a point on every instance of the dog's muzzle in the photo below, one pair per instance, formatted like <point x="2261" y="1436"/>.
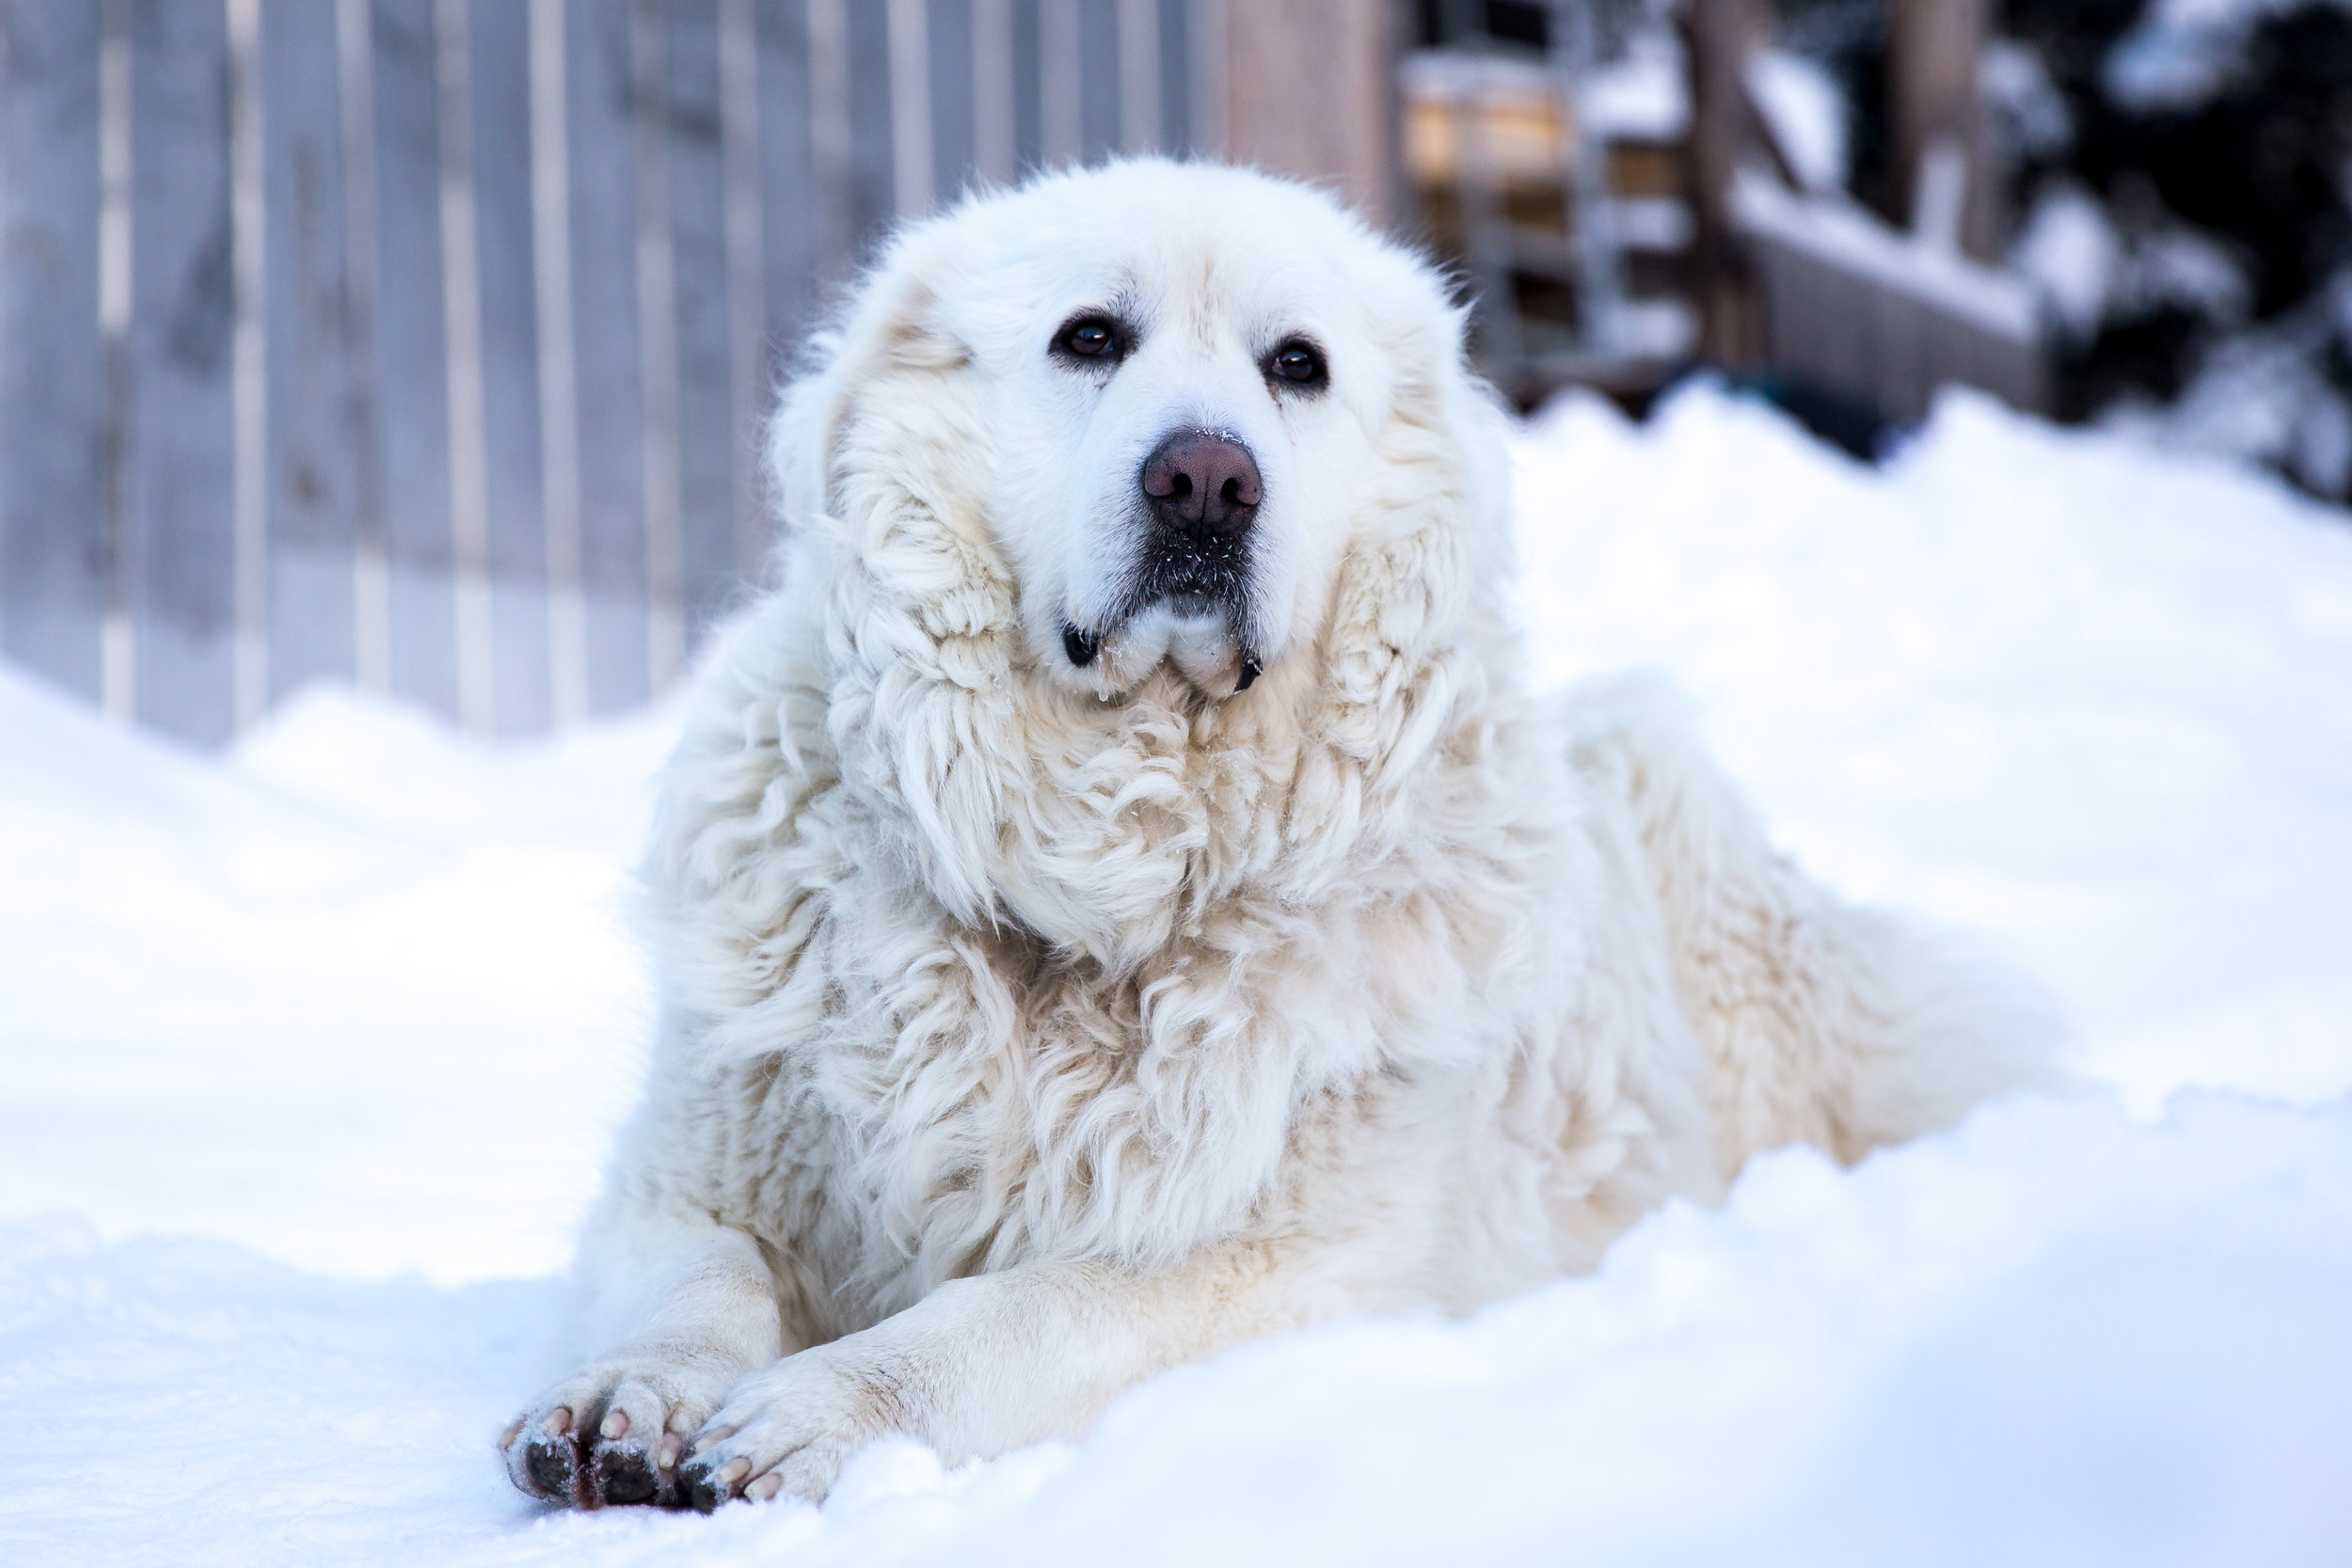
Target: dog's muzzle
<point x="1197" y="499"/>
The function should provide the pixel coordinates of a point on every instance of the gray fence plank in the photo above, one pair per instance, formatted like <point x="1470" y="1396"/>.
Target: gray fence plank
<point x="792" y="230"/>
<point x="1176" y="94"/>
<point x="683" y="216"/>
<point x="706" y="414"/>
<point x="412" y="371"/>
<point x="53" y="549"/>
<point x="952" y="69"/>
<point x="605" y="336"/>
<point x="1029" y="97"/>
<point x="994" y="100"/>
<point x="311" y="475"/>
<point x="181" y="516"/>
<point x="499" y="69"/>
<point x="1099" y="131"/>
<point x="871" y="198"/>
<point x="746" y="280"/>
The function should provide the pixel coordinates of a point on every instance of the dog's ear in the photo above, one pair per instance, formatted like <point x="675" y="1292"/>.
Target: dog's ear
<point x="1431" y="551"/>
<point x="880" y="458"/>
<point x="890" y="325"/>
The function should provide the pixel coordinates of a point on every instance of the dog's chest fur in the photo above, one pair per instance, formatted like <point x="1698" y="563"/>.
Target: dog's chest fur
<point x="890" y="1095"/>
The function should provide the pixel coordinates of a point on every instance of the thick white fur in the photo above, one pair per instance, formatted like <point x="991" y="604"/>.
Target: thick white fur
<point x="1027" y="1029"/>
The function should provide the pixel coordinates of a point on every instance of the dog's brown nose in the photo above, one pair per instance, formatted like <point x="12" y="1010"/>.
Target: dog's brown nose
<point x="1200" y="483"/>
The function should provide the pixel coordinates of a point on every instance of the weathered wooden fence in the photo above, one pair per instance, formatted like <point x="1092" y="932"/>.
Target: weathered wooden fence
<point x="422" y="342"/>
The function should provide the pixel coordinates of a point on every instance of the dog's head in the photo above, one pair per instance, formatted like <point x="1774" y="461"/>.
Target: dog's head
<point x="1153" y="436"/>
<point x="1181" y="376"/>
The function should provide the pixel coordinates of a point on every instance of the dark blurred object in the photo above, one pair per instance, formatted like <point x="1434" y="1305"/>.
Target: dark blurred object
<point x="2262" y="160"/>
<point x="1851" y="425"/>
<point x="1625" y="188"/>
<point x="2180" y="177"/>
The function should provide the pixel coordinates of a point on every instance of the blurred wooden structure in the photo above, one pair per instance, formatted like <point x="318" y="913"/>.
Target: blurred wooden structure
<point x="423" y="342"/>
<point x="1559" y="190"/>
<point x="1535" y="166"/>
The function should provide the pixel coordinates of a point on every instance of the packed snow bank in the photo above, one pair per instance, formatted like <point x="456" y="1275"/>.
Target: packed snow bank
<point x="306" y="1057"/>
<point x="324" y="1001"/>
<point x="2065" y="690"/>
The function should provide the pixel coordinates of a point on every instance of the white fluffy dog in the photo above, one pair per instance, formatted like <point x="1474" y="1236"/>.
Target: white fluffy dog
<point x="1118" y="898"/>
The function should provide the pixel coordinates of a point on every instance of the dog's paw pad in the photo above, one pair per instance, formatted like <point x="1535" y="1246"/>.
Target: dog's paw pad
<point x="703" y="1484"/>
<point x="626" y="1475"/>
<point x="552" y="1463"/>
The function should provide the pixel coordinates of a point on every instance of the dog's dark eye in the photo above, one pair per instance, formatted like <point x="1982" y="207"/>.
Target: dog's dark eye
<point x="1092" y="338"/>
<point x="1301" y="363"/>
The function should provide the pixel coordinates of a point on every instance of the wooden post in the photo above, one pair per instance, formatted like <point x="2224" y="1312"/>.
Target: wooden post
<point x="1717" y="36"/>
<point x="1942" y="184"/>
<point x="1308" y="90"/>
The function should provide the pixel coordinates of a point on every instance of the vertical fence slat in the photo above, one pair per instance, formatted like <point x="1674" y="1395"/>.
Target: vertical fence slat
<point x="995" y="151"/>
<point x="1061" y="108"/>
<point x="706" y="414"/>
<point x="657" y="341"/>
<point x="371" y="590"/>
<point x="740" y="122"/>
<point x="1176" y="74"/>
<point x="54" y="550"/>
<point x="1140" y="120"/>
<point x="311" y="480"/>
<point x="181" y="519"/>
<point x="412" y="382"/>
<point x="559" y="404"/>
<point x="825" y="29"/>
<point x="1205" y="98"/>
<point x="499" y="69"/>
<point x="872" y="201"/>
<point x="791" y="226"/>
<point x="602" y="158"/>
<point x="953" y="73"/>
<point x="914" y="166"/>
<point x="1028" y="105"/>
<point x="1100" y="126"/>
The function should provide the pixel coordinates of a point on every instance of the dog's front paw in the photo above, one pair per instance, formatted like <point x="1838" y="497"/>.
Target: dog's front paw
<point x="788" y="1430"/>
<point x="616" y="1431"/>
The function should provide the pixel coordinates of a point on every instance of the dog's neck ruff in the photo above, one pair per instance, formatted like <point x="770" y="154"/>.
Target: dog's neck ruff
<point x="1108" y="829"/>
<point x="1067" y="973"/>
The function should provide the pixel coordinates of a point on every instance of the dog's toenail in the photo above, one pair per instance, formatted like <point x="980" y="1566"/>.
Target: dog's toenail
<point x="559" y="1420"/>
<point x="764" y="1488"/>
<point x="615" y="1425"/>
<point x="667" y="1454"/>
<point x="734" y="1470"/>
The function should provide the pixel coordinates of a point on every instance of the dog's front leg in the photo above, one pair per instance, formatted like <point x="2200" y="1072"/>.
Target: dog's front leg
<point x="682" y="1307"/>
<point x="981" y="1366"/>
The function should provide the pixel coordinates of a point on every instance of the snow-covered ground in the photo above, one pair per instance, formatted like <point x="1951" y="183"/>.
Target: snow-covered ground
<point x="308" y="1054"/>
